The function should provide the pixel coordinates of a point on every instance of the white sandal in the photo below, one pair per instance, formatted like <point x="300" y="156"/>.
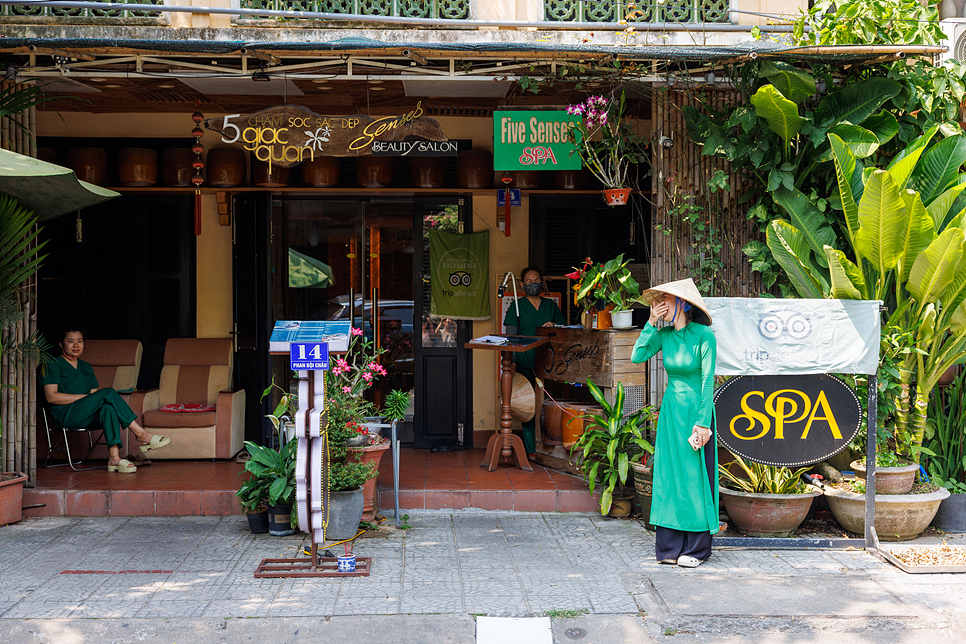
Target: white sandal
<point x="686" y="561"/>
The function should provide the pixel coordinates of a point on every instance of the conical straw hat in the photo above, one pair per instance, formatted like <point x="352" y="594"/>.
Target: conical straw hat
<point x="684" y="289"/>
<point x="521" y="399"/>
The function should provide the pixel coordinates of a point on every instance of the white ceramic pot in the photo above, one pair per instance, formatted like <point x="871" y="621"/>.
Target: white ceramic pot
<point x="622" y="319"/>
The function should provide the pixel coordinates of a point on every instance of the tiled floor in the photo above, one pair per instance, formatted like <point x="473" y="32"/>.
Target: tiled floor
<point x="429" y="481"/>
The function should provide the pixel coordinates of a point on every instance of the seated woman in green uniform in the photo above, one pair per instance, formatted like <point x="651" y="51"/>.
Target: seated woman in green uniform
<point x="76" y="401"/>
<point x="684" y="506"/>
<point x="534" y="311"/>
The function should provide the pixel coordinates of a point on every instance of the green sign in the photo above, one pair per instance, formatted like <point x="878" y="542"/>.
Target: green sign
<point x="534" y="141"/>
<point x="459" y="275"/>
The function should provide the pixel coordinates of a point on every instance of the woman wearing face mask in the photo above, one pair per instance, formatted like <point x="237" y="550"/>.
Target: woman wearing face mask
<point x="684" y="505"/>
<point x="535" y="311"/>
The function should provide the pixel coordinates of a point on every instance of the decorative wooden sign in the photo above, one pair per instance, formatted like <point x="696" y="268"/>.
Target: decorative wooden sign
<point x="786" y="420"/>
<point x="576" y="355"/>
<point x="286" y="135"/>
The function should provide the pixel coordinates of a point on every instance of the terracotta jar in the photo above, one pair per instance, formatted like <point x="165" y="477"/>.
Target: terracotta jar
<point x="278" y="178"/>
<point x="526" y="179"/>
<point x="570" y="179"/>
<point x="226" y="168"/>
<point x="427" y="172"/>
<point x="89" y="164"/>
<point x="474" y="169"/>
<point x="374" y="172"/>
<point x="176" y="168"/>
<point x="322" y="172"/>
<point x="137" y="167"/>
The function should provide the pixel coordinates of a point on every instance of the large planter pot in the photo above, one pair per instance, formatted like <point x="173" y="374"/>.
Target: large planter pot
<point x="372" y="454"/>
<point x="137" y="167"/>
<point x="643" y="486"/>
<point x="89" y="164"/>
<point x="620" y="507"/>
<point x="345" y="513"/>
<point x="374" y="172"/>
<point x="225" y="168"/>
<point x="622" y="319"/>
<point x="951" y="516"/>
<point x="11" y="496"/>
<point x="258" y="522"/>
<point x="898" y="517"/>
<point x="321" y="172"/>
<point x="767" y="515"/>
<point x="616" y="196"/>
<point x="427" y="172"/>
<point x="177" y="167"/>
<point x="261" y="177"/>
<point x="280" y="520"/>
<point x="889" y="480"/>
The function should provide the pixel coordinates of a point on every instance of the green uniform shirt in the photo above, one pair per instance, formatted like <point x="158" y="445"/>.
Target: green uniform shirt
<point x="69" y="381"/>
<point x="530" y="319"/>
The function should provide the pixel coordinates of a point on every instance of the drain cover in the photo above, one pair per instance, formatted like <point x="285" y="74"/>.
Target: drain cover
<point x="575" y="633"/>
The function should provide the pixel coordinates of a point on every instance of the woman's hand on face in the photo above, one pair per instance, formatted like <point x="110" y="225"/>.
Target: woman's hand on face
<point x="703" y="434"/>
<point x="658" y="311"/>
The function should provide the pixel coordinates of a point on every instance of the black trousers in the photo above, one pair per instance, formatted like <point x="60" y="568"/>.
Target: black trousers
<point x="671" y="543"/>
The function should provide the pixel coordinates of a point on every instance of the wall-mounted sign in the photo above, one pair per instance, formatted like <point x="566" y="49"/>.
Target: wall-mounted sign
<point x="786" y="420"/>
<point x="534" y="141"/>
<point x="414" y="149"/>
<point x="515" y="197"/>
<point x="287" y="135"/>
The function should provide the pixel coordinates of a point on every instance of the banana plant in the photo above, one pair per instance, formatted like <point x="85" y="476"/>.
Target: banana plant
<point x="909" y="250"/>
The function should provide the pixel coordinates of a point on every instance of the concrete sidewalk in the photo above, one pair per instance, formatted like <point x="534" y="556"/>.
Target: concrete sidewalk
<point x="190" y="579"/>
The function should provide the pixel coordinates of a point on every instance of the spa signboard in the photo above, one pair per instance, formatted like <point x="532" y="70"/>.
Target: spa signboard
<point x="534" y="140"/>
<point x="287" y="135"/>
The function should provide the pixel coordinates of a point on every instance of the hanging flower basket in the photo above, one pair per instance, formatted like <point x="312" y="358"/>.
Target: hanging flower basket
<point x="617" y="196"/>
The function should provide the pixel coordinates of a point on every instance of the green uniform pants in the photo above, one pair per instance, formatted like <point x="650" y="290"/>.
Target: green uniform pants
<point x="529" y="427"/>
<point x="104" y="408"/>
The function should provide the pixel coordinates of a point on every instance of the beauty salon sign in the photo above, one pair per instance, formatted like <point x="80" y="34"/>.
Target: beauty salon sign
<point x="538" y="140"/>
<point x="290" y="134"/>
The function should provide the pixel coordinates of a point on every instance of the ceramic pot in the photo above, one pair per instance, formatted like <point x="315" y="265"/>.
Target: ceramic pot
<point x="345" y="514"/>
<point x="550" y="422"/>
<point x="767" y="515"/>
<point x="346" y="563"/>
<point x="622" y="319"/>
<point x="372" y="454"/>
<point x="322" y="172"/>
<point x="604" y="319"/>
<point x="643" y="487"/>
<point x="89" y="164"/>
<point x="258" y="522"/>
<point x="374" y="172"/>
<point x="616" y="197"/>
<point x="620" y="507"/>
<point x="280" y="520"/>
<point x="889" y="480"/>
<point x="951" y="516"/>
<point x="177" y="168"/>
<point x="11" y="497"/>
<point x="948" y="376"/>
<point x="427" y="172"/>
<point x="137" y="167"/>
<point x="898" y="517"/>
<point x="474" y="169"/>
<point x="226" y="168"/>
<point x="277" y="178"/>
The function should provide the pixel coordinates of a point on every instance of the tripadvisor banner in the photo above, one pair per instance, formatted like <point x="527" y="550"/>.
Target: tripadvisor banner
<point x="767" y="336"/>
<point x="458" y="270"/>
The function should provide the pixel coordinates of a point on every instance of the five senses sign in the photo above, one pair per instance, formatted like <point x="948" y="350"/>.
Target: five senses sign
<point x="786" y="420"/>
<point x="524" y="139"/>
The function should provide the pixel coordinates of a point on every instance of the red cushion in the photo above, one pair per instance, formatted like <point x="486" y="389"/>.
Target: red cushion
<point x="189" y="408"/>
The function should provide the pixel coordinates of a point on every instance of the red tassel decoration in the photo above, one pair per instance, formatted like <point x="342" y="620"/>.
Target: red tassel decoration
<point x="198" y="164"/>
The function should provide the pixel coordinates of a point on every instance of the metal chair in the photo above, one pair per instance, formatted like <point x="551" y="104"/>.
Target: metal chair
<point x="63" y="443"/>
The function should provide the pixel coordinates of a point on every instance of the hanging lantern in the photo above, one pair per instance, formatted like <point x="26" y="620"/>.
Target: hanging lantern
<point x="198" y="165"/>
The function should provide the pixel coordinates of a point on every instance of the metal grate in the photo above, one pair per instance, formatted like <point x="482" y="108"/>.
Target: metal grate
<point x="439" y="9"/>
<point x="635" y="397"/>
<point x="649" y="12"/>
<point x="42" y="11"/>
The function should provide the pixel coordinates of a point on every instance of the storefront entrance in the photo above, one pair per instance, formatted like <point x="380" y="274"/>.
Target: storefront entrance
<point x="366" y="260"/>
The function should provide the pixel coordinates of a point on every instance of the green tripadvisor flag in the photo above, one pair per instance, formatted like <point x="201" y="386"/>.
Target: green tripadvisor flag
<point x="458" y="270"/>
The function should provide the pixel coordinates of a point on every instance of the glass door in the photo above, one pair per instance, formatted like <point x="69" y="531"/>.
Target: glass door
<point x="443" y="368"/>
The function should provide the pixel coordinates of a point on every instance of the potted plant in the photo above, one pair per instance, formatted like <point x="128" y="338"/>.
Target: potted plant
<point x="766" y="501"/>
<point x="947" y="454"/>
<point x="610" y="442"/>
<point x="607" y="286"/>
<point x="607" y="144"/>
<point x="271" y="484"/>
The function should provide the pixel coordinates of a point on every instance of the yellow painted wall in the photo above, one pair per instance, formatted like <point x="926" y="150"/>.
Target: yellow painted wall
<point x="214" y="274"/>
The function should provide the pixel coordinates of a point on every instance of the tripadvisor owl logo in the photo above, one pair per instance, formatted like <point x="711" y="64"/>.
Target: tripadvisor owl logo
<point x="775" y="325"/>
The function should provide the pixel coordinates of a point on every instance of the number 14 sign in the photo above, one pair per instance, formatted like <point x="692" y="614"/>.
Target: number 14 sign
<point x="309" y="355"/>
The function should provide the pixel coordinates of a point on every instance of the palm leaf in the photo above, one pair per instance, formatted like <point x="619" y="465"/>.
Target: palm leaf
<point x="940" y="207"/>
<point x="856" y="102"/>
<point x="780" y="113"/>
<point x="939" y="167"/>
<point x="881" y="219"/>
<point x="843" y="275"/>
<point x="790" y="249"/>
<point x="884" y="125"/>
<point x="936" y="266"/>
<point x="917" y="234"/>
<point x="808" y="219"/>
<point x="904" y="163"/>
<point x="845" y="167"/>
<point x="861" y="142"/>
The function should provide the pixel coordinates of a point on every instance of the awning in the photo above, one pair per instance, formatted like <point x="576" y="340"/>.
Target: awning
<point x="47" y="189"/>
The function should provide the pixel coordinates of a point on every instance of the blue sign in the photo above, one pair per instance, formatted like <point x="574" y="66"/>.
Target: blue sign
<point x="514" y="197"/>
<point x="306" y="356"/>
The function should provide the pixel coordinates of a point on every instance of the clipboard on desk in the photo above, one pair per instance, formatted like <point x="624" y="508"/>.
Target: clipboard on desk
<point x="514" y="343"/>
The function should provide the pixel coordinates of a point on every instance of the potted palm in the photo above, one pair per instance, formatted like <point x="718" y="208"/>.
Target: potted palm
<point x="610" y="443"/>
<point x="607" y="144"/>
<point x="765" y="500"/>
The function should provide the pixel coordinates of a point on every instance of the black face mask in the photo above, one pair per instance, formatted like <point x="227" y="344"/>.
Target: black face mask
<point x="533" y="289"/>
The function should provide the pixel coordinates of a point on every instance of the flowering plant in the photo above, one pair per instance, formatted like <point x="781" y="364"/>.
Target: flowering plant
<point x="608" y="283"/>
<point x="605" y="140"/>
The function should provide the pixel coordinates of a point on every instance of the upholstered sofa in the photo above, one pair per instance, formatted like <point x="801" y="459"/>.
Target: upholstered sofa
<point x="117" y="364"/>
<point x="197" y="371"/>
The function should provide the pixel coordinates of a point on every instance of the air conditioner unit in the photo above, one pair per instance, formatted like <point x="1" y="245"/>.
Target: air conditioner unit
<point x="955" y="30"/>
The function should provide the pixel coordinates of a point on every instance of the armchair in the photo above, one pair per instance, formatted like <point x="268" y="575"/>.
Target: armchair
<point x="197" y="371"/>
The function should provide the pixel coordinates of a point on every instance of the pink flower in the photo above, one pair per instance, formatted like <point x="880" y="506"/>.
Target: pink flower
<point x="356" y="331"/>
<point x="597" y="100"/>
<point x="575" y="109"/>
<point x="346" y="389"/>
<point x="380" y="370"/>
<point x="367" y="376"/>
